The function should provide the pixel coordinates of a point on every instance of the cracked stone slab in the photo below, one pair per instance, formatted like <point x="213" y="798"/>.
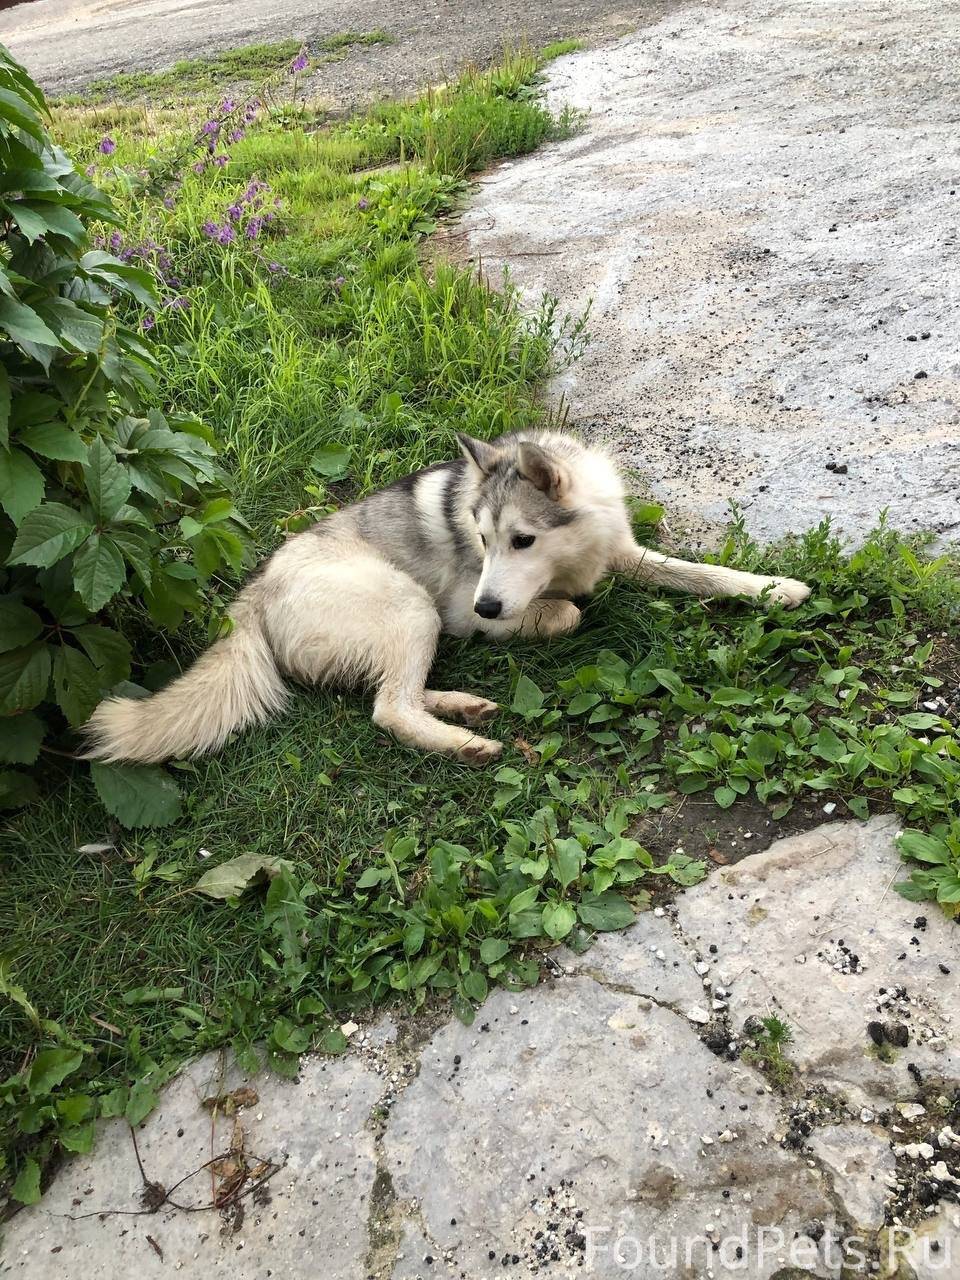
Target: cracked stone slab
<point x="782" y="921"/>
<point x="317" y="1206"/>
<point x="591" y="1116"/>
<point x="861" y="1161"/>
<point x="418" y="1259"/>
<point x="646" y="958"/>
<point x="761" y="208"/>
<point x="933" y="1254"/>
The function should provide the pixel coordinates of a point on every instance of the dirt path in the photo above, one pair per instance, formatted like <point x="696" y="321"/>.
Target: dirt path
<point x="66" y="43"/>
<point x="763" y="209"/>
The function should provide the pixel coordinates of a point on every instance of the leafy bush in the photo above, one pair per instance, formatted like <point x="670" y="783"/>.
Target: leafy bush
<point x="101" y="507"/>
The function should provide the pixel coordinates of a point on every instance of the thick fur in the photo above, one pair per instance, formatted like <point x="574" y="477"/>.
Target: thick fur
<point x="362" y="597"/>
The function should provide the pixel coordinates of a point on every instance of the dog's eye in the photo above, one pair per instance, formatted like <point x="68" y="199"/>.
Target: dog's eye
<point x="522" y="540"/>
<point x="483" y="541"/>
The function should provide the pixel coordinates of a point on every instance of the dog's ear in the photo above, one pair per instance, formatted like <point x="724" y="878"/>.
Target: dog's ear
<point x="544" y="472"/>
<point x="484" y="456"/>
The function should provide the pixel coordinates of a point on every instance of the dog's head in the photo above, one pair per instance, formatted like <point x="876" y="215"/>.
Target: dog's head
<point x="528" y="522"/>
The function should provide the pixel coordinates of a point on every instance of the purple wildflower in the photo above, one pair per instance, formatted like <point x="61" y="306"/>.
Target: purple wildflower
<point x="179" y="303"/>
<point x="116" y="240"/>
<point x="226" y="106"/>
<point x="234" y="211"/>
<point x="339" y="282"/>
<point x="168" y="202"/>
<point x="236" y="135"/>
<point x="211" y="229"/>
<point x="275" y="267"/>
<point x="226" y="235"/>
<point x="199" y="167"/>
<point x="363" y="203"/>
<point x="221" y="160"/>
<point x="252" y="229"/>
<point x="91" y="170"/>
<point x="148" y="321"/>
<point x="211" y="127"/>
<point x="107" y="146"/>
<point x="300" y="62"/>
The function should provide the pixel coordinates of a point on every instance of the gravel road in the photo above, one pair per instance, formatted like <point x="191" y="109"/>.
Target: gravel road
<point x="67" y="43"/>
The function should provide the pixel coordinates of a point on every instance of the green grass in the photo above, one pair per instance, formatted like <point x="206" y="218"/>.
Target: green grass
<point x="352" y="39"/>
<point x="249" y="63"/>
<point x="195" y="75"/>
<point x="558" y="48"/>
<point x="409" y="876"/>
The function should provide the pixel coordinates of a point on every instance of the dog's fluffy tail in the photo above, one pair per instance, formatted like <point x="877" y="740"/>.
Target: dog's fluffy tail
<point x="234" y="684"/>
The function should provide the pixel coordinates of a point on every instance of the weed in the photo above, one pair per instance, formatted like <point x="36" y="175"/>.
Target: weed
<point x="770" y="1038"/>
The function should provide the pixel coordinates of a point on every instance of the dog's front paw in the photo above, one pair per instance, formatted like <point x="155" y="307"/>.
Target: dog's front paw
<point x="787" y="591"/>
<point x="557" y="617"/>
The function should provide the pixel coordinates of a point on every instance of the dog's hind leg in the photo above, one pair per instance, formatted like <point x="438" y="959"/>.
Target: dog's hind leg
<point x="453" y="705"/>
<point x="706" y="580"/>
<point x="359" y="619"/>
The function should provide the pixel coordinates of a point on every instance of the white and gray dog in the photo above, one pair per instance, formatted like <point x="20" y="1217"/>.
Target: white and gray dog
<point x="508" y="540"/>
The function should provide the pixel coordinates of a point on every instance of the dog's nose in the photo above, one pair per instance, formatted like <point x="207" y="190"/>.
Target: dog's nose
<point x="488" y="608"/>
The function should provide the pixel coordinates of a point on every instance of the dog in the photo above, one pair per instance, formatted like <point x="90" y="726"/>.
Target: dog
<point x="508" y="540"/>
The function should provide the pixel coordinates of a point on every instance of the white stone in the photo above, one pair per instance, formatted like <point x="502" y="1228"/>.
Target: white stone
<point x="706" y="160"/>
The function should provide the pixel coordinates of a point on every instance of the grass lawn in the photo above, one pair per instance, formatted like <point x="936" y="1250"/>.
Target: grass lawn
<point x="307" y="327"/>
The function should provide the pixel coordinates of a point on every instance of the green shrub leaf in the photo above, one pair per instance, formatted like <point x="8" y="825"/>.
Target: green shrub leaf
<point x="76" y="683"/>
<point x="49" y="533"/>
<point x="18" y="624"/>
<point x="4" y="408"/>
<point x="108" y="483"/>
<point x="24" y="325"/>
<point x="21" y="484"/>
<point x="53" y="440"/>
<point x="98" y="571"/>
<point x="24" y="677"/>
<point x="137" y="795"/>
<point x="20" y="738"/>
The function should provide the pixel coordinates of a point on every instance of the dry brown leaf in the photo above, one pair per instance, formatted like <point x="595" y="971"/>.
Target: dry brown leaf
<point x="230" y="1103"/>
<point x="716" y="856"/>
<point x="528" y="752"/>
